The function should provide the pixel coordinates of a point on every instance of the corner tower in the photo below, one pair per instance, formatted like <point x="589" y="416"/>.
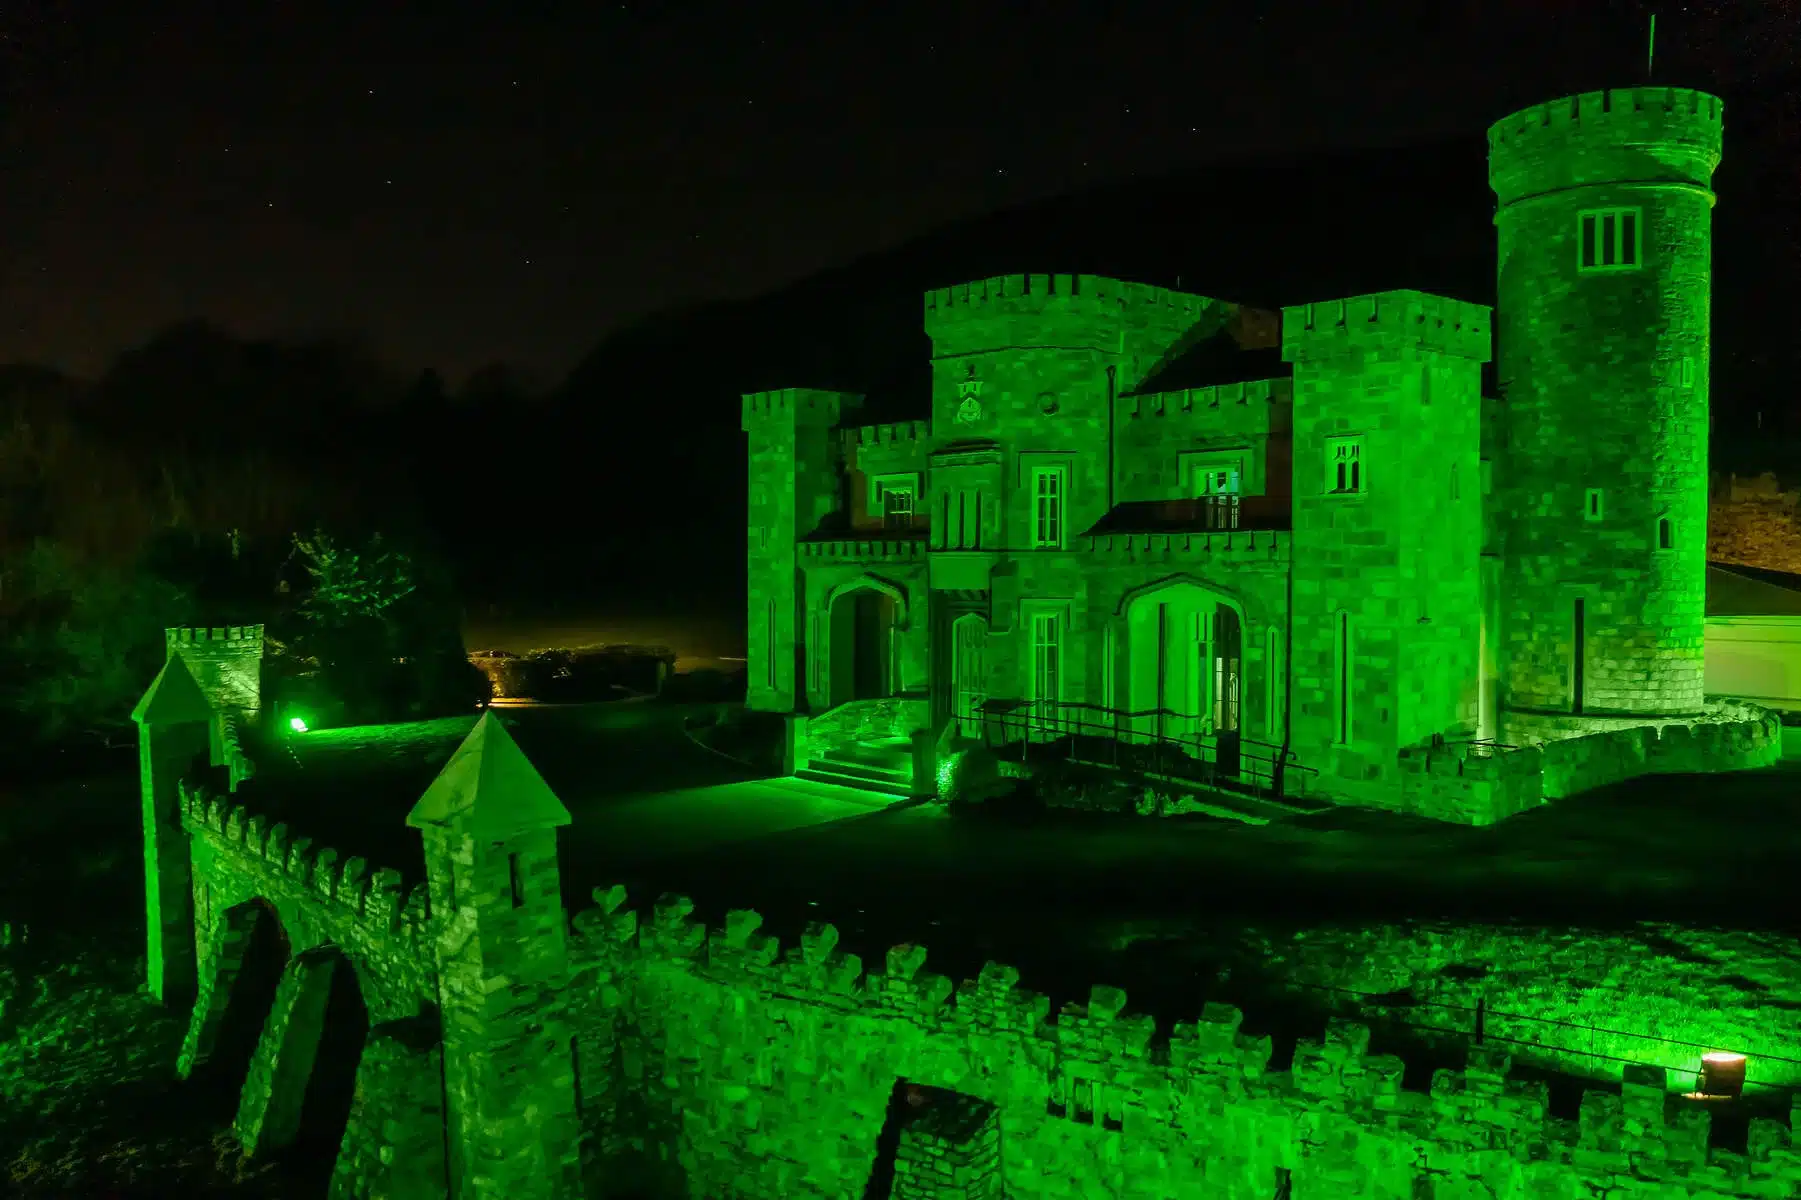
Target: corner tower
<point x="794" y="467"/>
<point x="1605" y="207"/>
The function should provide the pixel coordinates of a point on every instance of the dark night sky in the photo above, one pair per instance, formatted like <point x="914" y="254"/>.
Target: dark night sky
<point x="490" y="185"/>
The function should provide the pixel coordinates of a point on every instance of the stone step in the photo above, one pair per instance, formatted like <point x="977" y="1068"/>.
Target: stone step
<point x="820" y="772"/>
<point x="901" y="773"/>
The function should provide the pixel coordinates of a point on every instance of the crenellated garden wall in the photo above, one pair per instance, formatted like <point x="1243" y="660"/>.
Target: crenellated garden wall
<point x="756" y="1071"/>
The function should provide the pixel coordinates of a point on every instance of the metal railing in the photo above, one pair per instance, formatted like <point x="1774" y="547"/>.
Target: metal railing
<point x="1140" y="742"/>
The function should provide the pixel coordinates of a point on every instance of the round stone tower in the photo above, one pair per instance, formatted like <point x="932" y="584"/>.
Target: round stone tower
<point x="1605" y="205"/>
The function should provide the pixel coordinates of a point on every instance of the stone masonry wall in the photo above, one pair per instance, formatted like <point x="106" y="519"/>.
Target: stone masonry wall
<point x="1570" y="999"/>
<point x="1390" y="565"/>
<point x="1479" y="786"/>
<point x="794" y="483"/>
<point x="764" y="1073"/>
<point x="1604" y="375"/>
<point x="319" y="900"/>
<point x="227" y="663"/>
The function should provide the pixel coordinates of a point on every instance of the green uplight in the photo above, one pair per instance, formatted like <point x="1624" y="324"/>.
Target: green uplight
<point x="297" y="724"/>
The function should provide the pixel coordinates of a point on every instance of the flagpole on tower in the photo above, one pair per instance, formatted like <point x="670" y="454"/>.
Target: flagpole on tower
<point x="1651" y="48"/>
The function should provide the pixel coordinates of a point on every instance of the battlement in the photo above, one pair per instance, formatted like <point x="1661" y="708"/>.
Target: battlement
<point x="1188" y="400"/>
<point x="1242" y="546"/>
<point x="226" y="661"/>
<point x="1408" y="318"/>
<point x="802" y="406"/>
<point x="1023" y="295"/>
<point x="897" y="432"/>
<point x="1637" y="134"/>
<point x="1123" y="1064"/>
<point x="246" y="636"/>
<point x="374" y="900"/>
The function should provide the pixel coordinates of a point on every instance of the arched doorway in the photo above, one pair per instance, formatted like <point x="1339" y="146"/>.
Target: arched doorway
<point x="969" y="670"/>
<point x="1185" y="646"/>
<point x="865" y="619"/>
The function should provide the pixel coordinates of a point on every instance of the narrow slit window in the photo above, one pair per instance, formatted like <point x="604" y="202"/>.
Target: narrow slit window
<point x="1591" y="505"/>
<point x="1344" y="679"/>
<point x="1666" y="534"/>
<point x="769" y="646"/>
<point x="516" y="881"/>
<point x="1578" y="656"/>
<point x="1272" y="685"/>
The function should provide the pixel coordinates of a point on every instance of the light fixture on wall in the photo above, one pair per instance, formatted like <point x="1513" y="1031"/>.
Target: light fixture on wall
<point x="1722" y="1076"/>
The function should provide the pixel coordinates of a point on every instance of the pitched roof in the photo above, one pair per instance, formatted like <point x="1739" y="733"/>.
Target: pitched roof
<point x="1737" y="591"/>
<point x="173" y="698"/>
<point x="490" y="788"/>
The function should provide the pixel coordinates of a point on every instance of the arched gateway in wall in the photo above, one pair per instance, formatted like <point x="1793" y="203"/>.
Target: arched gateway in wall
<point x="864" y="618"/>
<point x="1184" y="664"/>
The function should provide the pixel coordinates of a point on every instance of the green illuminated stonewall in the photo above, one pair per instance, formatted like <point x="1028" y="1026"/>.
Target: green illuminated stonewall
<point x="1605" y="278"/>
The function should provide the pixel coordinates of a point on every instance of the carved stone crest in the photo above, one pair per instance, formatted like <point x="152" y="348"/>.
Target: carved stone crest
<point x="969" y="396"/>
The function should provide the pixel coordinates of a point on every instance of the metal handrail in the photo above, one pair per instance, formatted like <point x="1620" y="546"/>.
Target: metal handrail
<point x="1234" y="764"/>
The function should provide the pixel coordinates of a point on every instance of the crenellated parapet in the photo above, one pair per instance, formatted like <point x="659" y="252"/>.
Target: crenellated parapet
<point x="1034" y="294"/>
<point x="226" y="661"/>
<point x="321" y="896"/>
<point x="1206" y="401"/>
<point x="1061" y="312"/>
<point x="1638" y="134"/>
<point x="798" y="406"/>
<point x="893" y="433"/>
<point x="1246" y="546"/>
<point x="1099" y="1065"/>
<point x="1403" y="318"/>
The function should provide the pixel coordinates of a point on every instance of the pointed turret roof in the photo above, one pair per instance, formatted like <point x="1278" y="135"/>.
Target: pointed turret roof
<point x="490" y="788"/>
<point x="173" y="698"/>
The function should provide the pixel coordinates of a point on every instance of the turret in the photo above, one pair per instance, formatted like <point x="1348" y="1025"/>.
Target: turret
<point x="1387" y="525"/>
<point x="489" y="822"/>
<point x="174" y="720"/>
<point x="1605" y="209"/>
<point x="794" y="484"/>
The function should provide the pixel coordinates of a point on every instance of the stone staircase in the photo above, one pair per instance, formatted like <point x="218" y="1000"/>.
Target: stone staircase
<point x="884" y="766"/>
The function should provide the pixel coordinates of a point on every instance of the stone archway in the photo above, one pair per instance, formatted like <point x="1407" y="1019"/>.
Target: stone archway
<point x="865" y="619"/>
<point x="1184" y="666"/>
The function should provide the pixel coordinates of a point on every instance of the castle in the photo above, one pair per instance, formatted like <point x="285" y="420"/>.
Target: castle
<point x="1329" y="578"/>
<point x="1305" y="542"/>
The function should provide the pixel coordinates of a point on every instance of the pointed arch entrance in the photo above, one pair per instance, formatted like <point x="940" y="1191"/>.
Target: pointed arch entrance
<point x="969" y="669"/>
<point x="864" y="621"/>
<point x="1185" y="667"/>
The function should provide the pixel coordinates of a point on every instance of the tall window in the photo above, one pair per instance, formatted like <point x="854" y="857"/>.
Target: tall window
<point x="1344" y="466"/>
<point x="1344" y="680"/>
<point x="1047" y="507"/>
<point x="1578" y="655"/>
<point x="1109" y="681"/>
<point x="816" y="652"/>
<point x="1272" y="683"/>
<point x="1047" y="666"/>
<point x="1666" y="534"/>
<point x="1609" y="239"/>
<point x="516" y="880"/>
<point x="897" y="508"/>
<point x="892" y="498"/>
<point x="1591" y="505"/>
<point x="770" y="649"/>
